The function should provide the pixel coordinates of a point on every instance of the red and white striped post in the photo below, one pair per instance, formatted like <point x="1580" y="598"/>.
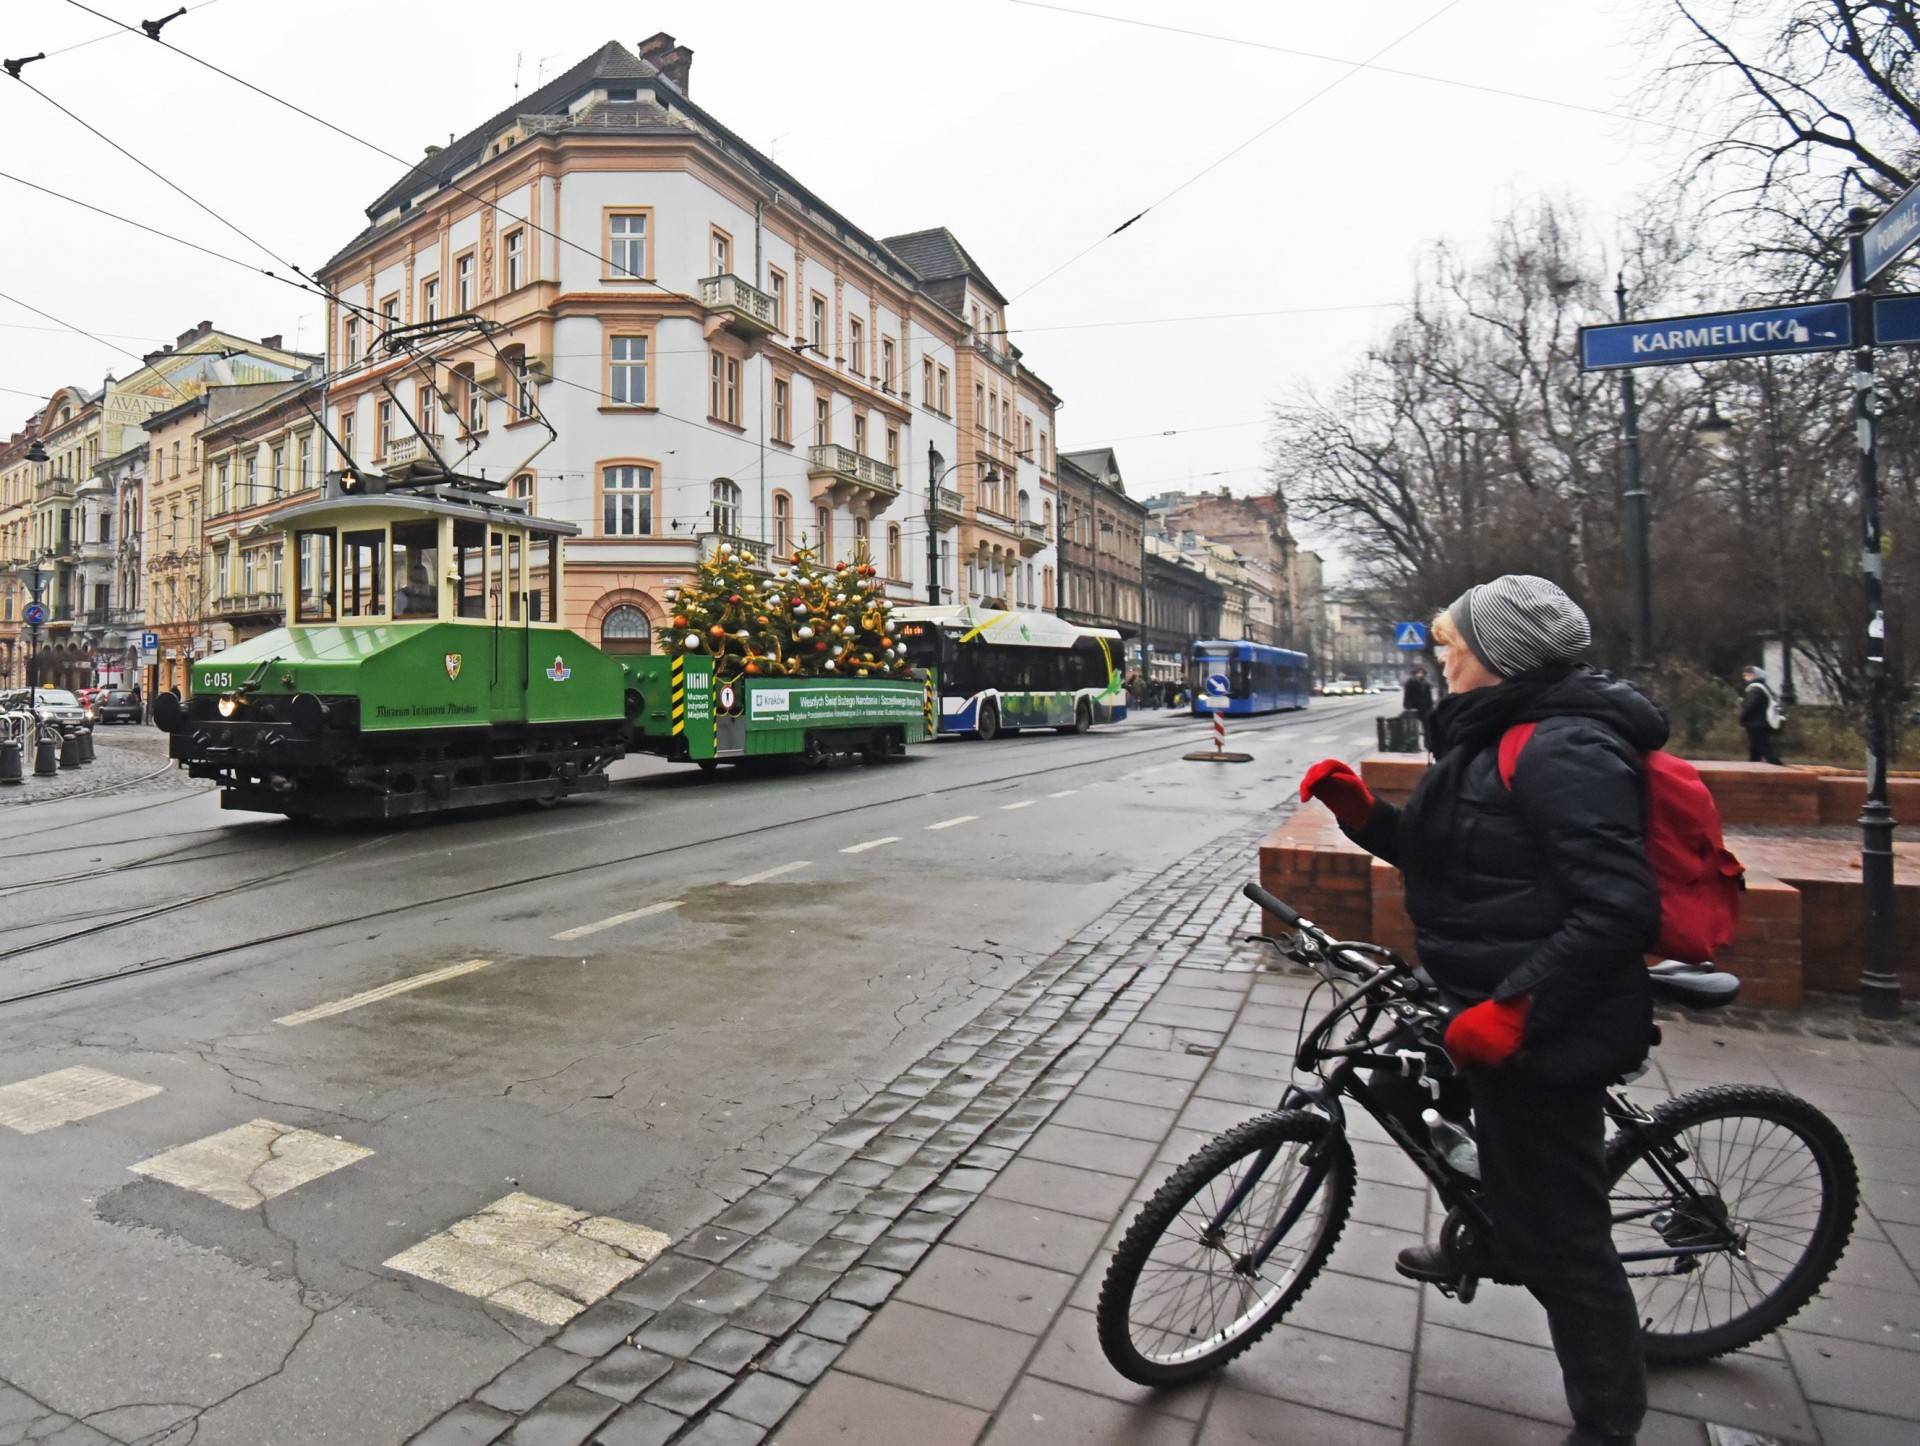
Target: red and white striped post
<point x="1219" y="732"/>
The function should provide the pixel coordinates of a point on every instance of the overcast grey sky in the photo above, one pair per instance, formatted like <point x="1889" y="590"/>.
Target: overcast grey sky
<point x="1030" y="132"/>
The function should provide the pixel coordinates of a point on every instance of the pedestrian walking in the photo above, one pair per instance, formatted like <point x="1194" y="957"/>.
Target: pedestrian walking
<point x="1761" y="715"/>
<point x="1416" y="697"/>
<point x="1533" y="906"/>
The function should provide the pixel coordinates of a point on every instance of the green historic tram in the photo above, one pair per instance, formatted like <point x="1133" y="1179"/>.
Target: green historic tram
<point x="422" y="668"/>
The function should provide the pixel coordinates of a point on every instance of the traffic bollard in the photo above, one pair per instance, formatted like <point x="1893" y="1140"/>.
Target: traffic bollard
<point x="70" y="750"/>
<point x="45" y="757"/>
<point x="86" y="746"/>
<point x="10" y="761"/>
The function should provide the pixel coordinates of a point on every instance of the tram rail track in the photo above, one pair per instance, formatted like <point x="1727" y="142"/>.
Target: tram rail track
<point x="1183" y="739"/>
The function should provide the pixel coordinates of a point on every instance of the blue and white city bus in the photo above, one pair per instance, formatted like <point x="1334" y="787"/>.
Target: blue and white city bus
<point x="1000" y="671"/>
<point x="1240" y="677"/>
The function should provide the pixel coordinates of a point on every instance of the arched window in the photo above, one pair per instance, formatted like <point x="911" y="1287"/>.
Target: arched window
<point x="726" y="507"/>
<point x="625" y="629"/>
<point x="1026" y="506"/>
<point x="782" y="525"/>
<point x="823" y="534"/>
<point x="521" y="392"/>
<point x="893" y="550"/>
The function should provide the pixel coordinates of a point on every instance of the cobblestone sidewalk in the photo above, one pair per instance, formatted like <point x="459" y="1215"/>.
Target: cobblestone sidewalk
<point x="926" y="1272"/>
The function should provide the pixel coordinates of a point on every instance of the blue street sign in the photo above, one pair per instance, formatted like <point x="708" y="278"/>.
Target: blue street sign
<point x="1896" y="230"/>
<point x="1217" y="683"/>
<point x="33" y="614"/>
<point x="1410" y="637"/>
<point x="1773" y="330"/>
<point x="1896" y="320"/>
<point x="149" y="642"/>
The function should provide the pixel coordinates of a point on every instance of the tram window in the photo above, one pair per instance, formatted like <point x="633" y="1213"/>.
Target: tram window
<point x="416" y="569"/>
<point x="316" y="576"/>
<point x="470" y="569"/>
<point x="496" y="575"/>
<point x="541" y="555"/>
<point x="514" y="593"/>
<point x="363" y="594"/>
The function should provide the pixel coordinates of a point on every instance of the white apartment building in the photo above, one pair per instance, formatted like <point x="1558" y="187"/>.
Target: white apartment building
<point x="719" y="354"/>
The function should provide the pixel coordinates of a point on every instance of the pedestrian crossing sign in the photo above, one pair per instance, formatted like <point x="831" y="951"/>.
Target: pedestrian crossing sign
<point x="1410" y="637"/>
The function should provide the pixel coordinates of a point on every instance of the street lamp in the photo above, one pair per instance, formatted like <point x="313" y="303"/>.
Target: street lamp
<point x="1713" y="429"/>
<point x="933" y="530"/>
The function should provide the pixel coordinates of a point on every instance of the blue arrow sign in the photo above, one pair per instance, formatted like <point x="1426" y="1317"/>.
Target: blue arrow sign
<point x="1410" y="637"/>
<point x="1217" y="683"/>
<point x="1773" y="330"/>
<point x="1896" y="230"/>
<point x="33" y="614"/>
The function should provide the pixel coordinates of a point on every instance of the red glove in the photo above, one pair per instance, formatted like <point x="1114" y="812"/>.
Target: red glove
<point x="1338" y="787"/>
<point x="1489" y="1033"/>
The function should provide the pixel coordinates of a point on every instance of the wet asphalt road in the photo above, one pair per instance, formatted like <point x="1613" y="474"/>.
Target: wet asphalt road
<point x="795" y="940"/>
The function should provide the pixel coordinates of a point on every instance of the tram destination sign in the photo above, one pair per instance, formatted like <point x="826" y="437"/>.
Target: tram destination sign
<point x="1716" y="335"/>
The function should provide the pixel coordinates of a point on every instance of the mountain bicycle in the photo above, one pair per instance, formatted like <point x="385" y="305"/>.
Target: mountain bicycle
<point x="1731" y="1204"/>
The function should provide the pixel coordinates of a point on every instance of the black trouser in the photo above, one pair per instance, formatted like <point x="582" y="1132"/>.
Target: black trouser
<point x="1543" y="1168"/>
<point x="1760" y="745"/>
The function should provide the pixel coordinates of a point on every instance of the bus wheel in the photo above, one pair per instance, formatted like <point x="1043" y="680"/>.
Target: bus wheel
<point x="989" y="727"/>
<point x="1082" y="718"/>
<point x="707" y="765"/>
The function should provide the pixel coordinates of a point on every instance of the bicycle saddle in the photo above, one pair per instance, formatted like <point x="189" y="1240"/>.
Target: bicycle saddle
<point x="1693" y="986"/>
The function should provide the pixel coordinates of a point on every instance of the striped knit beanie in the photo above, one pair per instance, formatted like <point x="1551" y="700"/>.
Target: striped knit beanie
<point x="1517" y="623"/>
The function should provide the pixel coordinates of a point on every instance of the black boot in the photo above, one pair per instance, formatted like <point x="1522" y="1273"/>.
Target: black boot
<point x="1430" y="1263"/>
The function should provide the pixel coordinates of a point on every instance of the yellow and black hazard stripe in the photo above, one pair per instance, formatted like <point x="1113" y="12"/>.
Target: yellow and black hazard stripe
<point x="679" y="672"/>
<point x="926" y="703"/>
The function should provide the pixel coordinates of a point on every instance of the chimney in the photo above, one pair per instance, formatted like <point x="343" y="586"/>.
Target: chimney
<point x="272" y="343"/>
<point x="672" y="60"/>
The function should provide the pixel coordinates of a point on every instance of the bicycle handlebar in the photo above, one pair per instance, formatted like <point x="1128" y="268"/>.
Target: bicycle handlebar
<point x="1274" y="906"/>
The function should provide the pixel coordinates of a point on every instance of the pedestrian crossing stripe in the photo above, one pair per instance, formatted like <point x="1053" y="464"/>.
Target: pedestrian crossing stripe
<point x="679" y="697"/>
<point x="250" y="1164"/>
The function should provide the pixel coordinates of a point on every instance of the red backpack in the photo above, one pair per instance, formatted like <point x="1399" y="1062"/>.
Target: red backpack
<point x="1698" y="879"/>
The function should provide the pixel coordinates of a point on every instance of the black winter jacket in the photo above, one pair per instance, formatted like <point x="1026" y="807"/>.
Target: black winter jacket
<point x="1543" y="889"/>
<point x="1754" y="702"/>
<point x="1416" y="696"/>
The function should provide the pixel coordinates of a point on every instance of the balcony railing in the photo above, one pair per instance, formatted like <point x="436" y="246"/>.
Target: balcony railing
<point x="404" y="452"/>
<point x="949" y="507"/>
<point x="745" y="308"/>
<point x="986" y="348"/>
<point x="247" y="604"/>
<point x="51" y="487"/>
<point x="844" y="477"/>
<point x="1033" y="537"/>
<point x="756" y="553"/>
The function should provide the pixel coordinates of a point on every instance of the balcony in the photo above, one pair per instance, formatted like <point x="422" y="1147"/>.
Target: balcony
<point x="1033" y="537"/>
<point x="755" y="553"/>
<point x="949" y="507"/>
<point x="739" y="307"/>
<point x="50" y="488"/>
<point x="986" y="348"/>
<point x="844" y="478"/>
<point x="248" y="605"/>
<point x="405" y="453"/>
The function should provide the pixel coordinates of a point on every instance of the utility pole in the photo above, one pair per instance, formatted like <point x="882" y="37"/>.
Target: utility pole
<point x="1633" y="497"/>
<point x="933" y="529"/>
<point x="1879" y="984"/>
<point x="1777" y="467"/>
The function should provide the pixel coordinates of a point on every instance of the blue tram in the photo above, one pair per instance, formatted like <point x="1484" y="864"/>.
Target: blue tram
<point x="1240" y="677"/>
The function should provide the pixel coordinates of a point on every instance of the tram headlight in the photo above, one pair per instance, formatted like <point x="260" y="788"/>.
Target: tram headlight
<point x="229" y="705"/>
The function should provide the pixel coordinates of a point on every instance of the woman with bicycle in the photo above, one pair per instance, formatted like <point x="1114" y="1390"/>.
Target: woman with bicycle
<point x="1533" y="907"/>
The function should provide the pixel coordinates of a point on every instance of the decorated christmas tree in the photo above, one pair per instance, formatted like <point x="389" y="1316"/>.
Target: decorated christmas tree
<point x="800" y="621"/>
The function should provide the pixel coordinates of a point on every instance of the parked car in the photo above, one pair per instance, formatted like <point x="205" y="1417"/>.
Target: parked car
<point x="118" y="705"/>
<point x="89" y="696"/>
<point x="54" y="704"/>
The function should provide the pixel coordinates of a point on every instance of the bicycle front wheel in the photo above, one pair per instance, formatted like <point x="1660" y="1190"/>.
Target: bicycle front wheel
<point x="1223" y="1249"/>
<point x="1730" y="1209"/>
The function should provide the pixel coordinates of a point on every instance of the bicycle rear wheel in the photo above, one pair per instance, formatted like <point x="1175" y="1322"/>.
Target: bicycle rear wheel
<point x="1184" y="1294"/>
<point x="1771" y="1177"/>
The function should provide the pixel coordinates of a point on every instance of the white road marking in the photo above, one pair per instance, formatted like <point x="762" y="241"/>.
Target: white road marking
<point x="583" y="930"/>
<point x="251" y="1163"/>
<point x="1063" y="793"/>
<point x="66" y="1095"/>
<point x="534" y="1257"/>
<point x="1023" y="803"/>
<point x="765" y="874"/>
<point x="385" y="991"/>
<point x="872" y="843"/>
<point x="950" y="822"/>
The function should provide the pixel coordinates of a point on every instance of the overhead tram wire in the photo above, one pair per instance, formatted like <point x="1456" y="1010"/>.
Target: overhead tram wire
<point x="101" y="341"/>
<point x="1215" y="164"/>
<point x="1250" y="44"/>
<point x="115" y="34"/>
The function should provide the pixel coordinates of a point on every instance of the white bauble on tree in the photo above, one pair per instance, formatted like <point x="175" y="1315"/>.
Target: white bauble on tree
<point x="803" y="633"/>
<point x="692" y="642"/>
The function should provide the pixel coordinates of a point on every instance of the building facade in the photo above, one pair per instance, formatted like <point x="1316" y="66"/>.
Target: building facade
<point x="684" y="344"/>
<point x="107" y="518"/>
<point x="1256" y="528"/>
<point x="1182" y="606"/>
<point x="1360" y="642"/>
<point x="16" y="510"/>
<point x="1102" y="533"/>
